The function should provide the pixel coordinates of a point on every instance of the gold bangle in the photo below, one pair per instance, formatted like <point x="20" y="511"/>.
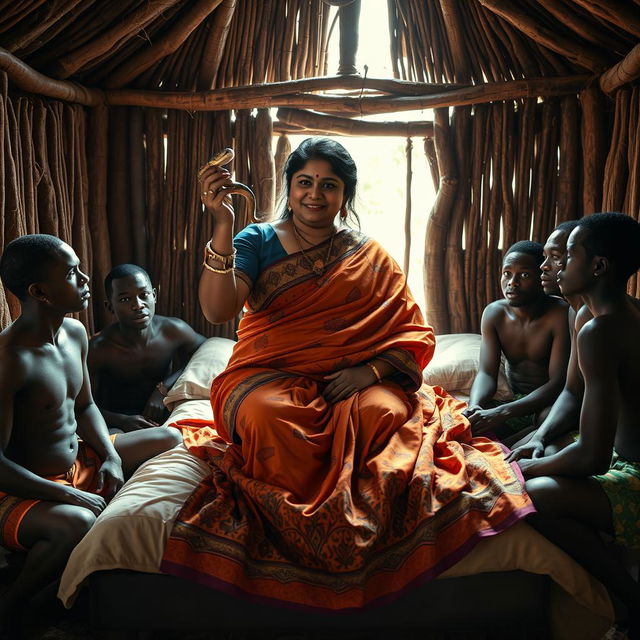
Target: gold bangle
<point x="225" y="260"/>
<point x="225" y="270"/>
<point x="376" y="373"/>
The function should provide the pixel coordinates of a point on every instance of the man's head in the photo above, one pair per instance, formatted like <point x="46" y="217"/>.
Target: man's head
<point x="130" y="296"/>
<point x="604" y="247"/>
<point x="554" y="249"/>
<point x="520" y="279"/>
<point x="45" y="269"/>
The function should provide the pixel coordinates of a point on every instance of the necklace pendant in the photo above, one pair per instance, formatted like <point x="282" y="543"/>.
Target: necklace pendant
<point x="318" y="267"/>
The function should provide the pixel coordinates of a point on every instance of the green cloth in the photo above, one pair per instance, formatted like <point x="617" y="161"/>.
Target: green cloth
<point x="622" y="486"/>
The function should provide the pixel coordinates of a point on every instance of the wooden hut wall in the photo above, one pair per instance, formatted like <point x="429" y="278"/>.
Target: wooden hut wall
<point x="621" y="189"/>
<point x="510" y="170"/>
<point x="506" y="170"/>
<point x="44" y="163"/>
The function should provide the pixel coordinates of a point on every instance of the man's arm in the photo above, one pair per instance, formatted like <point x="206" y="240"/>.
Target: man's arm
<point x="564" y="415"/>
<point x="486" y="382"/>
<point x="91" y="425"/>
<point x="186" y="341"/>
<point x="15" y="479"/>
<point x="591" y="454"/>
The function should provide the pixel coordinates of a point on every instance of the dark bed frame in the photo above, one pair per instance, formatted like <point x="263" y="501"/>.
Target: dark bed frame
<point x="126" y="605"/>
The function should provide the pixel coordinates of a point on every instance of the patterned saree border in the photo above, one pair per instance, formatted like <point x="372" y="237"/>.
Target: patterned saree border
<point x="240" y="392"/>
<point x="404" y="363"/>
<point x="430" y="573"/>
<point x="389" y="560"/>
<point x="297" y="268"/>
<point x="212" y="582"/>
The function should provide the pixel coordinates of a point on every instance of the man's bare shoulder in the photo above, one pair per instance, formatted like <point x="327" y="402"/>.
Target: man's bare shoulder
<point x="174" y="329"/>
<point x="556" y="311"/>
<point x="75" y="329"/>
<point x="105" y="339"/>
<point x="495" y="310"/>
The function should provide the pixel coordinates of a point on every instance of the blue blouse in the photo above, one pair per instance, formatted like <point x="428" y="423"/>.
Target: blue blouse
<point x="257" y="247"/>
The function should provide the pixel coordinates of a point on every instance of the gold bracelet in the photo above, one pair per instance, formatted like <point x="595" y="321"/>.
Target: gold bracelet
<point x="376" y="373"/>
<point x="225" y="260"/>
<point x="225" y="270"/>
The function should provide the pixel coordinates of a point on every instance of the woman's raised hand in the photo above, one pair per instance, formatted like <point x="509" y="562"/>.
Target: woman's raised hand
<point x="213" y="194"/>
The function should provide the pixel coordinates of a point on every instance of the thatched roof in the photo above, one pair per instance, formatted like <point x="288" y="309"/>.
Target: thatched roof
<point x="188" y="45"/>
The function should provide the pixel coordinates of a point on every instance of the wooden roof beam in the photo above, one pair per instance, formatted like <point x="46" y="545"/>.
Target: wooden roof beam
<point x="67" y="65"/>
<point x="616" y="12"/>
<point x="580" y="25"/>
<point x="175" y="36"/>
<point x="215" y="45"/>
<point x="627" y="70"/>
<point x="316" y="122"/>
<point x="574" y="51"/>
<point x="28" y="79"/>
<point x="256" y="96"/>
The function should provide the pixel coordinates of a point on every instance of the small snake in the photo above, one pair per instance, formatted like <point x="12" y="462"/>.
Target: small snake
<point x="225" y="157"/>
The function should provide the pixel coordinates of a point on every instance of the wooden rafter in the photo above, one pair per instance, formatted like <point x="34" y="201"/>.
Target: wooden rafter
<point x="615" y="12"/>
<point x="177" y="34"/>
<point x="112" y="38"/>
<point x="574" y="51"/>
<point x="257" y="96"/>
<point x="627" y="70"/>
<point x="317" y="122"/>
<point x="28" y="79"/>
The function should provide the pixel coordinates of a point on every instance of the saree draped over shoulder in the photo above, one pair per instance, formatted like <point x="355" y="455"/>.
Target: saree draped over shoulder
<point x="335" y="506"/>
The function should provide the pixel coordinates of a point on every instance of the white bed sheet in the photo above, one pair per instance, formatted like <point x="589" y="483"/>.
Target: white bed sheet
<point x="133" y="530"/>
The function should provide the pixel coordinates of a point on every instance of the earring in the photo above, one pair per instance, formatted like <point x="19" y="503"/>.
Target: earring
<point x="343" y="214"/>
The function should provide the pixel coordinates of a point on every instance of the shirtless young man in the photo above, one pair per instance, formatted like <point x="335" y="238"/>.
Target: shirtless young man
<point x="573" y="501"/>
<point x="531" y="329"/>
<point x="52" y="486"/>
<point x="132" y="363"/>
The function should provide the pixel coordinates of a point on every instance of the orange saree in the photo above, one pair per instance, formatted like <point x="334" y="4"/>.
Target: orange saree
<point x="335" y="506"/>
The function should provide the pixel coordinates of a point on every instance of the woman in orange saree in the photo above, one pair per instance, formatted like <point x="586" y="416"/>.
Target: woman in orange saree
<point x="337" y="478"/>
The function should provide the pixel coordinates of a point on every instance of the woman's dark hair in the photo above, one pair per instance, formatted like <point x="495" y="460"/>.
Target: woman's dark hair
<point x="341" y="163"/>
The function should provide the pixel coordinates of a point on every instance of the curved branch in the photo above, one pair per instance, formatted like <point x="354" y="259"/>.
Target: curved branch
<point x="28" y="79"/>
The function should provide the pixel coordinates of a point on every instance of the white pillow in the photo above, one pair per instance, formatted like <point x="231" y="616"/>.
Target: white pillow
<point x="455" y="365"/>
<point x="205" y="364"/>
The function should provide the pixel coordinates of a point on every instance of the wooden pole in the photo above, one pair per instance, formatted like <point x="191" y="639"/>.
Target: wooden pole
<point x="594" y="136"/>
<point x="174" y="38"/>
<point x="571" y="49"/>
<point x="254" y="97"/>
<point x="349" y="34"/>
<point x="28" y="79"/>
<point x="68" y="64"/>
<point x="348" y="127"/>
<point x="627" y="70"/>
<point x="435" y="278"/>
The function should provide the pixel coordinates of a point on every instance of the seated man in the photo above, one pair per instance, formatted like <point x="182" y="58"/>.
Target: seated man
<point x="591" y="484"/>
<point x="52" y="484"/>
<point x="530" y="328"/>
<point x="132" y="362"/>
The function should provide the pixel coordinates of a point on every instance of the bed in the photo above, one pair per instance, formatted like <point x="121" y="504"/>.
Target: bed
<point x="517" y="583"/>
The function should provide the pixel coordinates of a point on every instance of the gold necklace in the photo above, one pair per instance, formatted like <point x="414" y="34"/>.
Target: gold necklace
<point x="318" y="266"/>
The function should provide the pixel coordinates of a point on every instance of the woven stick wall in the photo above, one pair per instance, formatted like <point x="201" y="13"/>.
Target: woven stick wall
<point x="45" y="179"/>
<point x="509" y="170"/>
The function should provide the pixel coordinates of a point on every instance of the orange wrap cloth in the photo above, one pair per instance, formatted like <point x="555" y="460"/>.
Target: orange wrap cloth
<point x="335" y="506"/>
